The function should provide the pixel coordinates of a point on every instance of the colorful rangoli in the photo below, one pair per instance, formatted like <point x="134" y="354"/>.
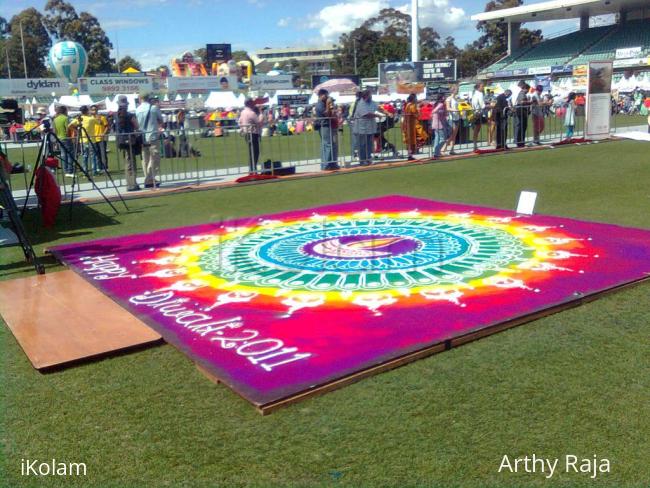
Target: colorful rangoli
<point x="282" y="304"/>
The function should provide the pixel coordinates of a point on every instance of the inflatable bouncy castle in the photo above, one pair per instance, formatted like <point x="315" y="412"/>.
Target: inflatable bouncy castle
<point x="188" y="65"/>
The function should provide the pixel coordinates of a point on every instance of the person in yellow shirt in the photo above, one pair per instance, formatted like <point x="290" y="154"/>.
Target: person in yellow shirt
<point x="60" y="125"/>
<point x="101" y="136"/>
<point x="87" y="124"/>
<point x="29" y="126"/>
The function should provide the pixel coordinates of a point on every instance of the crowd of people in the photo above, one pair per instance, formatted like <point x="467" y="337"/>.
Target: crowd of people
<point x="438" y="122"/>
<point x="83" y="138"/>
<point x="149" y="132"/>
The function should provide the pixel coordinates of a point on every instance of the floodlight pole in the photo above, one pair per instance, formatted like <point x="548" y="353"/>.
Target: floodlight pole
<point x="117" y="53"/>
<point x="415" y="38"/>
<point x="8" y="65"/>
<point x="22" y="43"/>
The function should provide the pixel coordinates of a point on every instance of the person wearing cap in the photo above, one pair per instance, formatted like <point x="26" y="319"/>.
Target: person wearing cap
<point x="325" y="122"/>
<point x="126" y="126"/>
<point x="366" y="114"/>
<point x="522" y="106"/>
<point x="41" y="114"/>
<point x="150" y="122"/>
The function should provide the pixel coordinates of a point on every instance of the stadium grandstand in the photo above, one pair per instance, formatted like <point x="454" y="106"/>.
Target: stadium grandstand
<point x="626" y="41"/>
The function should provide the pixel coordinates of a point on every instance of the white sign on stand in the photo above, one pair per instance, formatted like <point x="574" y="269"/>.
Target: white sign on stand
<point x="265" y="82"/>
<point x="599" y="87"/>
<point x="526" y="204"/>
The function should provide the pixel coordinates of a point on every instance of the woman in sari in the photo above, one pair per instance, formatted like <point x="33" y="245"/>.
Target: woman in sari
<point x="410" y="125"/>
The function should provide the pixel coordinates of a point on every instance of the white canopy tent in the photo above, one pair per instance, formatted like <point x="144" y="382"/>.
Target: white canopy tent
<point x="224" y="99"/>
<point x="342" y="99"/>
<point x="628" y="84"/>
<point x="390" y="97"/>
<point x="75" y="101"/>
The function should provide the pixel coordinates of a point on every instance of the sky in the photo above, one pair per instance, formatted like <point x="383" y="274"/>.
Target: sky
<point x="154" y="31"/>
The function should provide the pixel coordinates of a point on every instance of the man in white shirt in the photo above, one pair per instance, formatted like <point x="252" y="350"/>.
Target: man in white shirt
<point x="478" y="110"/>
<point x="150" y="122"/>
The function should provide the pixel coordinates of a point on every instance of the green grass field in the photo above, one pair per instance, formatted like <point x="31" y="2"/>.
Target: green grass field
<point x="576" y="382"/>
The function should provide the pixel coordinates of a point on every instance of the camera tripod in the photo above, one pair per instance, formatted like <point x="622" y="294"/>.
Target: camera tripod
<point x="102" y="161"/>
<point x="46" y="149"/>
<point x="9" y="204"/>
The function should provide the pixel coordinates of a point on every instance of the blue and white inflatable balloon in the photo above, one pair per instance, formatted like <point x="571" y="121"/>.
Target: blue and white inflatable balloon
<point x="68" y="60"/>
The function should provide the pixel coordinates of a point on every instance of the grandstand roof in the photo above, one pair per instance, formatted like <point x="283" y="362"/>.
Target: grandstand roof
<point x="558" y="10"/>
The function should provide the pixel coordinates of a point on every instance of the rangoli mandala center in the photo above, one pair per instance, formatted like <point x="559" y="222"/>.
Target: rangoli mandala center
<point x="368" y="259"/>
<point x="369" y="254"/>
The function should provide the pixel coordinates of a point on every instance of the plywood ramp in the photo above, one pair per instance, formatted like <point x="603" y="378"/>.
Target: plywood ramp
<point x="59" y="318"/>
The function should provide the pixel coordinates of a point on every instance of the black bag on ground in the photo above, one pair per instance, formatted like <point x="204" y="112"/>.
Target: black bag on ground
<point x="275" y="167"/>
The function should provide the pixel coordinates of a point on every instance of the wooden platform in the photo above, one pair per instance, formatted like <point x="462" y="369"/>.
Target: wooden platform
<point x="59" y="319"/>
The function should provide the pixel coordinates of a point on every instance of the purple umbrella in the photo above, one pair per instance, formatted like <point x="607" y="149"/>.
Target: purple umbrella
<point x="338" y="85"/>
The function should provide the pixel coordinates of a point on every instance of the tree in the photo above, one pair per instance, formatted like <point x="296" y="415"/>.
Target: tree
<point x="301" y="71"/>
<point x="4" y="28"/>
<point x="97" y="45"/>
<point x="128" y="62"/>
<point x="385" y="37"/>
<point x="163" y="69"/>
<point x="303" y="74"/>
<point x="4" y="38"/>
<point x="429" y="43"/>
<point x="471" y="60"/>
<point x="358" y="44"/>
<point x="58" y="19"/>
<point x="391" y="22"/>
<point x="448" y="50"/>
<point x="63" y="23"/>
<point x="241" y="56"/>
<point x="494" y="37"/>
<point x="36" y="41"/>
<point x="201" y="53"/>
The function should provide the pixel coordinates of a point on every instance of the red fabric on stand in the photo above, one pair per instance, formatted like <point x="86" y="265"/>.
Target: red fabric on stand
<point x="49" y="195"/>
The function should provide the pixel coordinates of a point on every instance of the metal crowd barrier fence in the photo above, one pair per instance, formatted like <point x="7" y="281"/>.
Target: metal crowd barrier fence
<point x="202" y="155"/>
